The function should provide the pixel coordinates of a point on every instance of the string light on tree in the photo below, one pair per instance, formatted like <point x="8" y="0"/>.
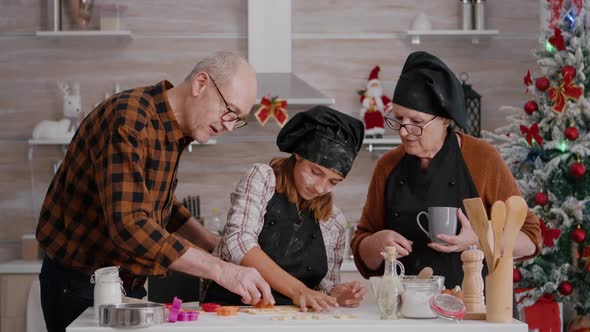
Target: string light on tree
<point x="549" y="47"/>
<point x="563" y="146"/>
<point x="570" y="19"/>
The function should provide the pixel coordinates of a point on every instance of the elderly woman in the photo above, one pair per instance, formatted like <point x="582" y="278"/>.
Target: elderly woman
<point x="434" y="166"/>
<point x="282" y="220"/>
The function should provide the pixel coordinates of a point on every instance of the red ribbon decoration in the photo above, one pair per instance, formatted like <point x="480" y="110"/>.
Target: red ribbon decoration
<point x="556" y="6"/>
<point x="549" y="235"/>
<point x="273" y="107"/>
<point x="557" y="40"/>
<point x="532" y="133"/>
<point x="528" y="80"/>
<point x="566" y="90"/>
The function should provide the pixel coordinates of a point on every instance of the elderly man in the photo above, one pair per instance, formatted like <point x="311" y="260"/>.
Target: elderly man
<point x="112" y="203"/>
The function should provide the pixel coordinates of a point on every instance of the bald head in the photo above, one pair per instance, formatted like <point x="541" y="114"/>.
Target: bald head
<point x="221" y="65"/>
<point x="234" y="76"/>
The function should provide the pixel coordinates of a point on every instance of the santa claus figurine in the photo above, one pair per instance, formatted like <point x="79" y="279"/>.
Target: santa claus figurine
<point x="373" y="106"/>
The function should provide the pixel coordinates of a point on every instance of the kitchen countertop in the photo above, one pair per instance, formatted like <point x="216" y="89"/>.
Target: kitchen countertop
<point x="368" y="318"/>
<point x="20" y="267"/>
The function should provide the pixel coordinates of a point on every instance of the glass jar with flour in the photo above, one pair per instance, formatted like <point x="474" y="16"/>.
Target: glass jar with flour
<point x="108" y="287"/>
<point x="416" y="297"/>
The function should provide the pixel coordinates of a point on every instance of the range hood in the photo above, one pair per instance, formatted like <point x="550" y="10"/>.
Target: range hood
<point x="289" y="86"/>
<point x="269" y="52"/>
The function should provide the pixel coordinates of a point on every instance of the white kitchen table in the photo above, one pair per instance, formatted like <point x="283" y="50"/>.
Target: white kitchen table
<point x="368" y="318"/>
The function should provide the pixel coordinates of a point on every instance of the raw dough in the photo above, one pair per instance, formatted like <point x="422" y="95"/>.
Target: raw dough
<point x="346" y="316"/>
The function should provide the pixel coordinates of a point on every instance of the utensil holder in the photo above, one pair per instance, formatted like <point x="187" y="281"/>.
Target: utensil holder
<point x="499" y="292"/>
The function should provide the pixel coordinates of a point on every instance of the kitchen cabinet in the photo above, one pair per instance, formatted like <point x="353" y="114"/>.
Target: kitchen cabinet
<point x="16" y="279"/>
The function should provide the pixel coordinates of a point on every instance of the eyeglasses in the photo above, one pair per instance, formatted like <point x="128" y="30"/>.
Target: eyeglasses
<point x="229" y="115"/>
<point x="410" y="128"/>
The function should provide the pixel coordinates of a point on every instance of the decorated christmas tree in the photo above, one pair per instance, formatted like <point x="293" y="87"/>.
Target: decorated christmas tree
<point x="547" y="147"/>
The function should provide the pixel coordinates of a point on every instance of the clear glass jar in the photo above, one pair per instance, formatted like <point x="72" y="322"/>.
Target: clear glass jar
<point x="108" y="287"/>
<point x="416" y="297"/>
<point x="391" y="288"/>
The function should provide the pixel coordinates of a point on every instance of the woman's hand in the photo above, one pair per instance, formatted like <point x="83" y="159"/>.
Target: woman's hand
<point x="371" y="247"/>
<point x="308" y="298"/>
<point x="457" y="243"/>
<point x="349" y="294"/>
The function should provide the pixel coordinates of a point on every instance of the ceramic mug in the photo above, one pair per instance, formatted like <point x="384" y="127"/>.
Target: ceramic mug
<point x="441" y="220"/>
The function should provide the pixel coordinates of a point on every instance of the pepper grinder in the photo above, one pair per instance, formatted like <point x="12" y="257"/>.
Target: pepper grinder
<point x="472" y="280"/>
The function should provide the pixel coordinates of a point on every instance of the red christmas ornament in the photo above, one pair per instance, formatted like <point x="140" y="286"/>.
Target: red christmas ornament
<point x="530" y="107"/>
<point x="542" y="83"/>
<point x="516" y="276"/>
<point x="571" y="133"/>
<point x="568" y="71"/>
<point x="566" y="288"/>
<point x="579" y="235"/>
<point x="541" y="198"/>
<point x="577" y="169"/>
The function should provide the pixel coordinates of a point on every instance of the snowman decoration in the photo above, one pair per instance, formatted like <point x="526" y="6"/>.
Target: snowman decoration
<point x="373" y="103"/>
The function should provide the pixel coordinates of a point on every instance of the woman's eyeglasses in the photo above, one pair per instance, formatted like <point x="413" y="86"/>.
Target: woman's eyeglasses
<point x="415" y="130"/>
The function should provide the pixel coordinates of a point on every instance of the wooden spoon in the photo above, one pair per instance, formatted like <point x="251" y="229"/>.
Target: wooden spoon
<point x="498" y="219"/>
<point x="516" y="211"/>
<point x="481" y="226"/>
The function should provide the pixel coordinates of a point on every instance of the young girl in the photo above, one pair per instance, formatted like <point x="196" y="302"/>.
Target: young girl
<point x="282" y="220"/>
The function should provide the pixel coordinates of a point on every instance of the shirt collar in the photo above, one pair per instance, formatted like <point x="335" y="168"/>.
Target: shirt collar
<point x="166" y="115"/>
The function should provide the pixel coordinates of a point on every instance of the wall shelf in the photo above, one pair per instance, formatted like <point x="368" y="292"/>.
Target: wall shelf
<point x="475" y="35"/>
<point x="122" y="34"/>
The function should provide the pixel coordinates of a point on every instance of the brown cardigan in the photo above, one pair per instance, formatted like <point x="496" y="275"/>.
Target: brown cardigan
<point x="490" y="175"/>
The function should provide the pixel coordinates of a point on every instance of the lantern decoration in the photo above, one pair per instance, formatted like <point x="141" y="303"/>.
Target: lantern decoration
<point x="472" y="106"/>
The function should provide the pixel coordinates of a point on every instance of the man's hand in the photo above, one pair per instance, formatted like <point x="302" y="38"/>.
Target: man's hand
<point x="246" y="282"/>
<point x="349" y="294"/>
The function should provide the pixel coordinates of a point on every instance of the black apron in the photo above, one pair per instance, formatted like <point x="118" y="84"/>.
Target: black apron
<point x="292" y="241"/>
<point x="409" y="190"/>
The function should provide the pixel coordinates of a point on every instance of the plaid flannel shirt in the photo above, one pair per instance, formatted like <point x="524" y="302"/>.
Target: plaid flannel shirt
<point x="112" y="200"/>
<point x="246" y="218"/>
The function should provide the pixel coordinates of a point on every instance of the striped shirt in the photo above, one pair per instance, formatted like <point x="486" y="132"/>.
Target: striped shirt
<point x="112" y="201"/>
<point x="246" y="218"/>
